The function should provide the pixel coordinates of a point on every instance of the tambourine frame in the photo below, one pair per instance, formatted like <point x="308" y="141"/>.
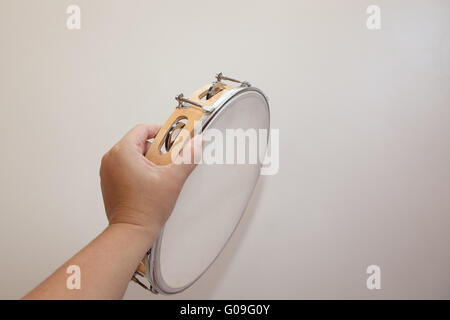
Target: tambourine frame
<point x="156" y="283"/>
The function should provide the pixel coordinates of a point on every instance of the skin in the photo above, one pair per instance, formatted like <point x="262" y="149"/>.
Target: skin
<point x="138" y="197"/>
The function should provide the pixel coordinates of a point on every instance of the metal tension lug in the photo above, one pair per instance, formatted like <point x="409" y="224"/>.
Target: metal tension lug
<point x="182" y="100"/>
<point x="221" y="77"/>
<point x="148" y="287"/>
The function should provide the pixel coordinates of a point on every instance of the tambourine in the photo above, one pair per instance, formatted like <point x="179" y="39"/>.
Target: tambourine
<point x="215" y="196"/>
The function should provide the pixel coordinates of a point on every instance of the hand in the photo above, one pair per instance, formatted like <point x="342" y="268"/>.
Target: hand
<point x="139" y="197"/>
<point x="136" y="191"/>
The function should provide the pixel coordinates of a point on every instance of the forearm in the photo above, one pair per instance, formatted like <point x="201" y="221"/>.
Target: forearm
<point x="107" y="265"/>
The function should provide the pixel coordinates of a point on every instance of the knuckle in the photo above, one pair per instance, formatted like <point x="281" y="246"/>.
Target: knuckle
<point x="115" y="150"/>
<point x="140" y="126"/>
<point x="104" y="158"/>
<point x="104" y="164"/>
<point x="109" y="157"/>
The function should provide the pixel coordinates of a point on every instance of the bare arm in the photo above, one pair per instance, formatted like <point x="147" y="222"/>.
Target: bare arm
<point x="138" y="198"/>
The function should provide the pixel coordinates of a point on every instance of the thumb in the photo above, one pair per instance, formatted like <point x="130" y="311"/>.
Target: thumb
<point x="189" y="157"/>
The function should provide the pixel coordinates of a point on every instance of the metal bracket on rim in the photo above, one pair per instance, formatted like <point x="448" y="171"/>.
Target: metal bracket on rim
<point x="139" y="274"/>
<point x="221" y="77"/>
<point x="181" y="99"/>
<point x="208" y="109"/>
<point x="148" y="287"/>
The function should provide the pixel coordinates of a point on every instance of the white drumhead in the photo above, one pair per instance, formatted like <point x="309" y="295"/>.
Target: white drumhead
<point x="212" y="201"/>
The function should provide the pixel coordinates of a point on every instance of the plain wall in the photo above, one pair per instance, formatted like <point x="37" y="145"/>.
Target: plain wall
<point x="364" y="120"/>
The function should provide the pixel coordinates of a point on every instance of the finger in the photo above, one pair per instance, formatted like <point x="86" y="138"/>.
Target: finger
<point x="147" y="146"/>
<point x="139" y="135"/>
<point x="189" y="157"/>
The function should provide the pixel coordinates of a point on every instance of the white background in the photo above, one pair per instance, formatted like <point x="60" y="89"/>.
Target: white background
<point x="364" y="119"/>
